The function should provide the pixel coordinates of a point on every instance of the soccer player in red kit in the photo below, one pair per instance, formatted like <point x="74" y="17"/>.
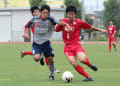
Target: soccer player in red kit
<point x="70" y="28"/>
<point x="111" y="35"/>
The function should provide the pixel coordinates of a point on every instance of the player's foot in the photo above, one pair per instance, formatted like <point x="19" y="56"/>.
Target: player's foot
<point x="22" y="54"/>
<point x="51" y="77"/>
<point x="88" y="79"/>
<point x="41" y="61"/>
<point x="56" y="71"/>
<point x="93" y="67"/>
<point x="115" y="49"/>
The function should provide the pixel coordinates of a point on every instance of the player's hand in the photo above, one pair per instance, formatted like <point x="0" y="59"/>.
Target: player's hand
<point x="23" y="35"/>
<point x="68" y="27"/>
<point x="103" y="31"/>
<point x="27" y="36"/>
<point x="112" y="36"/>
<point x="106" y="31"/>
<point x="62" y="23"/>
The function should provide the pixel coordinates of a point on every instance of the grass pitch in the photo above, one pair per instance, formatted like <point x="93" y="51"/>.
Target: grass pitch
<point x="15" y="71"/>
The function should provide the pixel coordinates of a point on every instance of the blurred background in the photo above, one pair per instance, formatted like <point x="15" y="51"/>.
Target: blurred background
<point x="14" y="14"/>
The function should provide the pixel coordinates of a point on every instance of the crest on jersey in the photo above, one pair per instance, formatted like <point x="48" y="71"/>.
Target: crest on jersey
<point x="110" y="28"/>
<point x="71" y="29"/>
<point x="74" y="23"/>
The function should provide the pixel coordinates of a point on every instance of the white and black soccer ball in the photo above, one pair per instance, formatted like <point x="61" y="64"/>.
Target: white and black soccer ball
<point x="67" y="76"/>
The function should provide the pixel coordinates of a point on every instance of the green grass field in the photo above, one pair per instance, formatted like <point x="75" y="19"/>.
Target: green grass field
<point x="15" y="71"/>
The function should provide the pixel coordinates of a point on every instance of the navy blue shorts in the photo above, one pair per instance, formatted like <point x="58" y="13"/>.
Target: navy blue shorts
<point x="44" y="48"/>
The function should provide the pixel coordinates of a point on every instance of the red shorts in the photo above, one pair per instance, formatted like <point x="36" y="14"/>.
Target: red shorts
<point x="111" y="39"/>
<point x="73" y="49"/>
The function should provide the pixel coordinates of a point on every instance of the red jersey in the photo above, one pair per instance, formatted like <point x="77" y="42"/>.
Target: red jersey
<point x="72" y="37"/>
<point x="111" y="30"/>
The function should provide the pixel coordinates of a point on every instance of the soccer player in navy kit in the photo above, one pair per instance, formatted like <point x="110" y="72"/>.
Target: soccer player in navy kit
<point x="43" y="30"/>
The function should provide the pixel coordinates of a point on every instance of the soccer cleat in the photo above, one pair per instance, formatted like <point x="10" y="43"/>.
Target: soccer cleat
<point x="51" y="78"/>
<point x="22" y="54"/>
<point x="41" y="61"/>
<point x="56" y="71"/>
<point x="93" y="67"/>
<point x="88" y="79"/>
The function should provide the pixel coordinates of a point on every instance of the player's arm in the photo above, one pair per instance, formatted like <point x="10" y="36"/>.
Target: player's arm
<point x="98" y="29"/>
<point x="60" y="26"/>
<point x="85" y="25"/>
<point x="114" y="31"/>
<point x="26" y="30"/>
<point x="27" y="33"/>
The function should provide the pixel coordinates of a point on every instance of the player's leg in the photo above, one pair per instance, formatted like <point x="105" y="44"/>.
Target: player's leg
<point x="36" y="57"/>
<point x="24" y="53"/>
<point x="41" y="60"/>
<point x="109" y="43"/>
<point x="36" y="51"/>
<point x="70" y="55"/>
<point x="46" y="61"/>
<point x="78" y="68"/>
<point x="114" y="45"/>
<point x="81" y="54"/>
<point x="82" y="58"/>
<point x="49" y="54"/>
<point x="51" y="67"/>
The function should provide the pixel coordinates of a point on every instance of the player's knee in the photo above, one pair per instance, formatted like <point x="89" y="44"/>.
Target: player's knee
<point x="81" y="57"/>
<point x="73" y="63"/>
<point x="50" y="60"/>
<point x="36" y="58"/>
<point x="82" y="60"/>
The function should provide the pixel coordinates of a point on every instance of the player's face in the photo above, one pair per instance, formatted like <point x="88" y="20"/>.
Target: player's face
<point x="36" y="13"/>
<point x="44" y="14"/>
<point x="111" y="23"/>
<point x="71" y="16"/>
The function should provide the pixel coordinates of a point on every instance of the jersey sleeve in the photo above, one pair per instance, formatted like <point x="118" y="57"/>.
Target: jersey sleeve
<point x="84" y="25"/>
<point x="28" y="24"/>
<point x="114" y="28"/>
<point x="52" y="19"/>
<point x="59" y="28"/>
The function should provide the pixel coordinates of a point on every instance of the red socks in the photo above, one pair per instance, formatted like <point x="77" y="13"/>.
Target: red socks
<point x="87" y="62"/>
<point x="81" y="71"/>
<point x="114" y="45"/>
<point x="46" y="61"/>
<point x="109" y="46"/>
<point x="28" y="53"/>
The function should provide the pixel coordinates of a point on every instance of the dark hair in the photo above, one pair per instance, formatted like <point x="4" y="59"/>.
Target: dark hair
<point x="34" y="8"/>
<point x="45" y="7"/>
<point x="111" y="20"/>
<point x="71" y="8"/>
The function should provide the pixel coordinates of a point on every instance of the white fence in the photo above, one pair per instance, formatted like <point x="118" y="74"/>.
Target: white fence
<point x="12" y="21"/>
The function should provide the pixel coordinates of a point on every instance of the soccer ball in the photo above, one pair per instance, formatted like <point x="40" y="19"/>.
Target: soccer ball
<point x="67" y="76"/>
